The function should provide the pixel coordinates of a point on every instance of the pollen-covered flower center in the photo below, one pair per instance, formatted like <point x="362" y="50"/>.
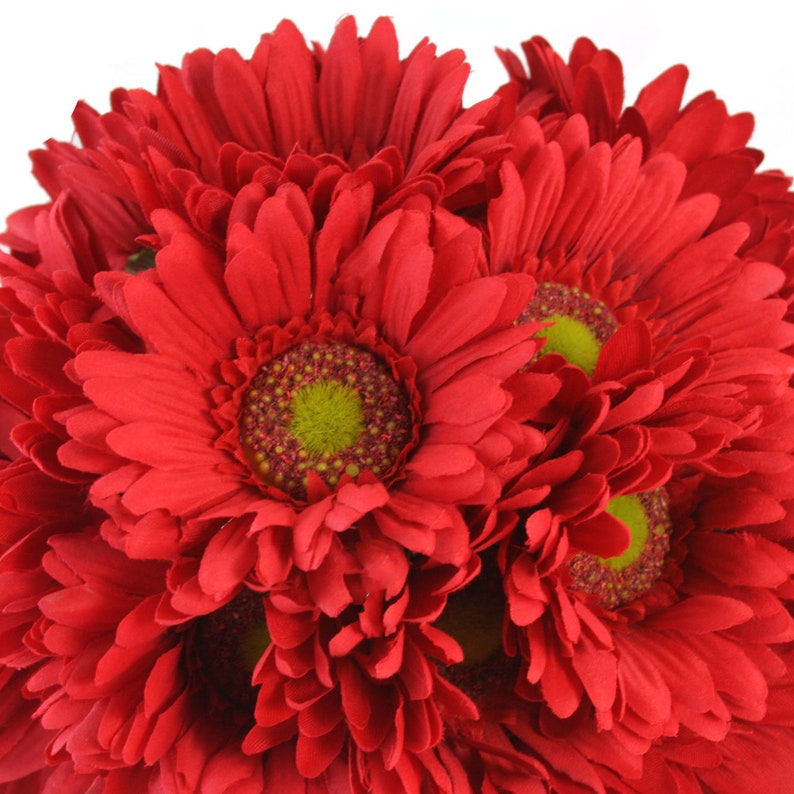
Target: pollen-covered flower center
<point x="327" y="416"/>
<point x="229" y="643"/>
<point x="619" y="580"/>
<point x="580" y="323"/>
<point x="327" y="409"/>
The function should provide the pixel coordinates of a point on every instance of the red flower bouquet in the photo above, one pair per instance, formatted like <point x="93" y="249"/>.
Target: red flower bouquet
<point x="354" y="441"/>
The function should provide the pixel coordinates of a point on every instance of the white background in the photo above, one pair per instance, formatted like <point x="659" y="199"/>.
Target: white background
<point x="54" y="53"/>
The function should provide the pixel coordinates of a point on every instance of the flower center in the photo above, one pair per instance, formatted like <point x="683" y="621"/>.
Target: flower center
<point x="473" y="616"/>
<point x="327" y="416"/>
<point x="230" y="642"/>
<point x="581" y="324"/>
<point x="620" y="580"/>
<point x="324" y="407"/>
<point x="139" y="261"/>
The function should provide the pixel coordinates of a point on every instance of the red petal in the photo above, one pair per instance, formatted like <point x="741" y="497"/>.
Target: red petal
<point x="228" y="558"/>
<point x="701" y="614"/>
<point x="603" y="535"/>
<point x="340" y="87"/>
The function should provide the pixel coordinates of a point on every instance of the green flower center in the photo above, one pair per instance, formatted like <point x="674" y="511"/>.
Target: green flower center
<point x="573" y="340"/>
<point x="139" y="261"/>
<point x="326" y="408"/>
<point x="581" y="324"/>
<point x="619" y="580"/>
<point x="473" y="617"/>
<point x="230" y="642"/>
<point x="327" y="416"/>
<point x="629" y="510"/>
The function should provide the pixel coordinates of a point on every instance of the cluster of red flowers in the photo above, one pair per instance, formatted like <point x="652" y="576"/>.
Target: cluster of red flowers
<point x="354" y="441"/>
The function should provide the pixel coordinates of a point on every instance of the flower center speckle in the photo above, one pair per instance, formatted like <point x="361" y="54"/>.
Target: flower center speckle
<point x="581" y="324"/>
<point x="230" y="642"/>
<point x="324" y="407"/>
<point x="619" y="580"/>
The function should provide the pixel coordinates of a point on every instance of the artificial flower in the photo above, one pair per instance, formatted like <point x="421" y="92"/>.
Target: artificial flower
<point x="222" y="132"/>
<point x="368" y="306"/>
<point x="358" y="442"/>
<point x="331" y="399"/>
<point x="702" y="135"/>
<point x="673" y="422"/>
<point x="144" y="680"/>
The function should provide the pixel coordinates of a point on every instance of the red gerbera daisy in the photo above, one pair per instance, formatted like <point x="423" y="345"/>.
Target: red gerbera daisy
<point x="662" y="475"/>
<point x="286" y="374"/>
<point x="330" y="678"/>
<point x="303" y="414"/>
<point x="709" y="142"/>
<point x="315" y="381"/>
<point x="223" y="131"/>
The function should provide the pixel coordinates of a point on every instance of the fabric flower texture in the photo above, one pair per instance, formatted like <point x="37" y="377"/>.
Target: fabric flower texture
<point x="357" y="441"/>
